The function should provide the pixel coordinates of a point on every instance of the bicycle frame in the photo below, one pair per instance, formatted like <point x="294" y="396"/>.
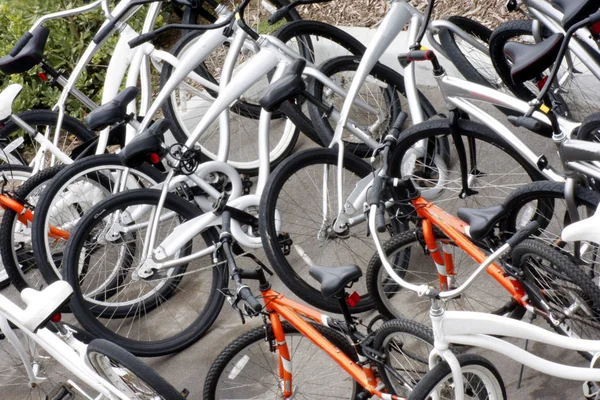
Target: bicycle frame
<point x="69" y="352"/>
<point x="278" y="306"/>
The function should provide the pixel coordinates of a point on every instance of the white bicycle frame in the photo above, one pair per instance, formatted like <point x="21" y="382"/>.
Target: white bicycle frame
<point x="479" y="329"/>
<point x="67" y="350"/>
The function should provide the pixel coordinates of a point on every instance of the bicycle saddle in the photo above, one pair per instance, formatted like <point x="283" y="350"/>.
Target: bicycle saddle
<point x="42" y="304"/>
<point x="142" y="146"/>
<point x="530" y="60"/>
<point x="575" y="11"/>
<point x="26" y="53"/>
<point x="333" y="280"/>
<point x="112" y="112"/>
<point x="287" y="87"/>
<point x="481" y="220"/>
<point x="585" y="230"/>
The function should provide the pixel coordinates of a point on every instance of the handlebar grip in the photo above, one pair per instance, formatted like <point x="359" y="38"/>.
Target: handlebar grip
<point x="420" y="55"/>
<point x="246" y="295"/>
<point x="526" y="122"/>
<point x="374" y="197"/>
<point x="398" y="123"/>
<point x="523" y="233"/>
<point x="278" y="15"/>
<point x="104" y="32"/>
<point x="380" y="218"/>
<point x="22" y="42"/>
<point x="143" y="38"/>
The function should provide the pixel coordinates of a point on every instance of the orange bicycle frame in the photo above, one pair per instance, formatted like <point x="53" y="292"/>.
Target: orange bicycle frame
<point x="455" y="229"/>
<point x="278" y="306"/>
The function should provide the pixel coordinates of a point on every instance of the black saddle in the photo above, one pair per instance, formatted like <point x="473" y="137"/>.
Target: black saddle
<point x="481" y="220"/>
<point x="530" y="60"/>
<point x="112" y="112"/>
<point x="27" y="52"/>
<point x="289" y="86"/>
<point x="333" y="280"/>
<point x="575" y="11"/>
<point x="136" y="152"/>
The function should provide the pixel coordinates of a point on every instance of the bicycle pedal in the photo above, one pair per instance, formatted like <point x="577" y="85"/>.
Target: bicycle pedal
<point x="63" y="391"/>
<point x="185" y="393"/>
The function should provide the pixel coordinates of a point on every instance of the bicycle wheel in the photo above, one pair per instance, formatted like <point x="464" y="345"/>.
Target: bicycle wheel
<point x="493" y="168"/>
<point x="163" y="313"/>
<point x="383" y="90"/>
<point x="407" y="345"/>
<point x="476" y="66"/>
<point x="481" y="379"/>
<point x="545" y="203"/>
<point x="14" y="176"/>
<point x="406" y="254"/>
<point x="249" y="366"/>
<point x="75" y="190"/>
<point x="189" y="102"/>
<point x="570" y="90"/>
<point x="15" y="236"/>
<point x="574" y="299"/>
<point x="127" y="373"/>
<point x="292" y="202"/>
<point x="72" y="134"/>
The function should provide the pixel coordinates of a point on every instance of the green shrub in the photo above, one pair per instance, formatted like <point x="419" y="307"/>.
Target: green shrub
<point x="69" y="37"/>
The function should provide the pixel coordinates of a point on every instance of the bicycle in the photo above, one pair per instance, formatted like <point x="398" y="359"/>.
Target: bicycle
<point x="272" y="360"/>
<point x="42" y="348"/>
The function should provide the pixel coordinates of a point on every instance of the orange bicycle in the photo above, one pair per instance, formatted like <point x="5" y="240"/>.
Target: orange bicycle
<point x="313" y="355"/>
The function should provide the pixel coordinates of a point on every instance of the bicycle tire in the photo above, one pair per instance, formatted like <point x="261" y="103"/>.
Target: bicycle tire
<point x="89" y="314"/>
<point x="470" y="363"/>
<point x="217" y="373"/>
<point x="355" y="168"/>
<point x="412" y="354"/>
<point x="498" y="169"/>
<point x="105" y="356"/>
<point x="576" y="287"/>
<point x="18" y="263"/>
<point x="36" y="118"/>
<point x="411" y="263"/>
<point x="88" y="169"/>
<point x="384" y="78"/>
<point x="481" y="72"/>
<point x="17" y="174"/>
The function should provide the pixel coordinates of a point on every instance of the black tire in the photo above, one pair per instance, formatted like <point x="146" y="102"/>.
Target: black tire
<point x="469" y="364"/>
<point x="411" y="263"/>
<point x="102" y="354"/>
<point x="87" y="170"/>
<point x="498" y="169"/>
<point x="71" y="127"/>
<point x="291" y="269"/>
<point x="217" y="373"/>
<point x="390" y="101"/>
<point x="310" y="39"/>
<point x="17" y="254"/>
<point x="574" y="100"/>
<point x="562" y="285"/>
<point x="408" y="343"/>
<point x="545" y="203"/>
<point x="244" y="113"/>
<point x="474" y="65"/>
<point x="128" y="305"/>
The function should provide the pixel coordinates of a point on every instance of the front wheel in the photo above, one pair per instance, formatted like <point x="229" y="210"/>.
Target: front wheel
<point x="128" y="373"/>
<point x="481" y="381"/>
<point x="252" y="363"/>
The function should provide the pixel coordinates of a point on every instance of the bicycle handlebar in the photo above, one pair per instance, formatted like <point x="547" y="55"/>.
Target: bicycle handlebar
<point x="246" y="294"/>
<point x="282" y="12"/>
